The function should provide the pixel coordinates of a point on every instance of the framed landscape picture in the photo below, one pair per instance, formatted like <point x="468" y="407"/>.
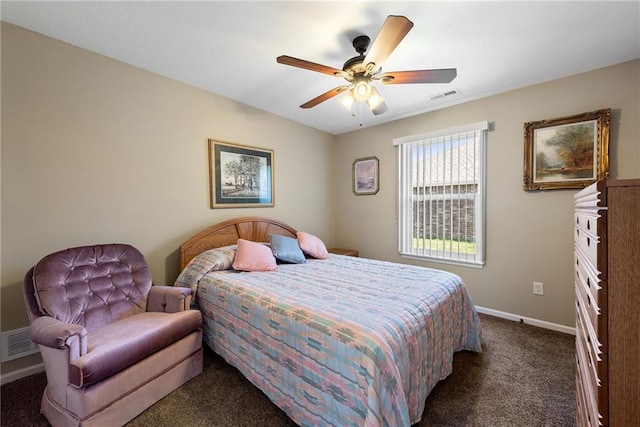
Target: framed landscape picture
<point x="365" y="176"/>
<point x="568" y="152"/>
<point x="240" y="176"/>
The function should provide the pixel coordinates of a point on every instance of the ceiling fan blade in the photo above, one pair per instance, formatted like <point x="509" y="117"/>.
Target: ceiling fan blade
<point x="307" y="65"/>
<point x="327" y="95"/>
<point x="444" y="75"/>
<point x="391" y="34"/>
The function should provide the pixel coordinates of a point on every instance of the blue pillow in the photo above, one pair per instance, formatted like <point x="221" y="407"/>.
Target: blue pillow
<point x="286" y="249"/>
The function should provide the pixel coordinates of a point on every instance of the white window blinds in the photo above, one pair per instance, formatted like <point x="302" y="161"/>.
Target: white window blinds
<point x="441" y="195"/>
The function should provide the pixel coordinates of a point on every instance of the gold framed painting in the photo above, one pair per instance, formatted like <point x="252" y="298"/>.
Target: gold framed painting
<point x="567" y="152"/>
<point x="365" y="176"/>
<point x="240" y="176"/>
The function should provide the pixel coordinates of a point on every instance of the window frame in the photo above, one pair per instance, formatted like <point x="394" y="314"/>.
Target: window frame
<point x="405" y="197"/>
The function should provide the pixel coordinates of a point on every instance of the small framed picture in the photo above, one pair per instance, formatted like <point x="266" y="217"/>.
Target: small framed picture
<point x="240" y="176"/>
<point x="365" y="176"/>
<point x="568" y="152"/>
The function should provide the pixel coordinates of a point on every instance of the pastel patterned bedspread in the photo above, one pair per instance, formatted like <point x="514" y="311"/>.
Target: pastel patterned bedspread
<point x="342" y="341"/>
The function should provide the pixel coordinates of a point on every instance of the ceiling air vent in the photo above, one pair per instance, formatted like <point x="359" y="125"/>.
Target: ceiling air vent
<point x="444" y="94"/>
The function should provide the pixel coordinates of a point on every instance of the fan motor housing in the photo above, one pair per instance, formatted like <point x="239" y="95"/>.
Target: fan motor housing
<point x="360" y="44"/>
<point x="354" y="64"/>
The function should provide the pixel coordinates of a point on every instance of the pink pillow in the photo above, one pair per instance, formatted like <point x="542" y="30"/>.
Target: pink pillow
<point x="252" y="256"/>
<point x="312" y="245"/>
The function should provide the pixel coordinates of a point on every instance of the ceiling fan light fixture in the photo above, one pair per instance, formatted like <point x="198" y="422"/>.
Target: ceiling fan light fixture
<point x="375" y="99"/>
<point x="361" y="89"/>
<point x="347" y="100"/>
<point x="381" y="108"/>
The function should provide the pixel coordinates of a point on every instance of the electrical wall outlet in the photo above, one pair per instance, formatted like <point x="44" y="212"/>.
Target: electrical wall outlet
<point x="538" y="288"/>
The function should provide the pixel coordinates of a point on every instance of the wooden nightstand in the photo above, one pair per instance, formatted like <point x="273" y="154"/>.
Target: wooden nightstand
<point x="347" y="252"/>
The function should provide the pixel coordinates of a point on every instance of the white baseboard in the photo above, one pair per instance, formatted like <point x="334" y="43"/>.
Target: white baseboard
<point x="527" y="320"/>
<point x="21" y="373"/>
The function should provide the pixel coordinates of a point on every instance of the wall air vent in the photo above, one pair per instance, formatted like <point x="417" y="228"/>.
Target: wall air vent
<point x="444" y="94"/>
<point x="16" y="343"/>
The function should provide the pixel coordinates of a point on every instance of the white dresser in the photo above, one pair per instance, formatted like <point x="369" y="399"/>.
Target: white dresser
<point x="607" y="284"/>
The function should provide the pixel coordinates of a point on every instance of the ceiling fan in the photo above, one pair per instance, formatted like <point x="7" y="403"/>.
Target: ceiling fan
<point x="363" y="69"/>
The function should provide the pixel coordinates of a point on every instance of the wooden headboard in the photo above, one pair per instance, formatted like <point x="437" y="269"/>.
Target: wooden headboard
<point x="254" y="228"/>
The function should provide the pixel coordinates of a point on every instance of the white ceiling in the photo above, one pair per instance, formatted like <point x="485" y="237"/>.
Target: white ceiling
<point x="230" y="48"/>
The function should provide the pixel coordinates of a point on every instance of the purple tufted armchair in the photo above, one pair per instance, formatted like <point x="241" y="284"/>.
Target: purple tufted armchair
<point x="112" y="343"/>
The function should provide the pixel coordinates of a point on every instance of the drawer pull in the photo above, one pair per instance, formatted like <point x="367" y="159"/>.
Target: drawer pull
<point x="588" y="241"/>
<point x="588" y="225"/>
<point x="588" y="300"/>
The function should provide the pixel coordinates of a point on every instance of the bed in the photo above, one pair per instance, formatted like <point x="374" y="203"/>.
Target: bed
<point x="341" y="341"/>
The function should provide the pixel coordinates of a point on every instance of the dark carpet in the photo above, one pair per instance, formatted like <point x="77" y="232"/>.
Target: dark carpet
<point x="525" y="376"/>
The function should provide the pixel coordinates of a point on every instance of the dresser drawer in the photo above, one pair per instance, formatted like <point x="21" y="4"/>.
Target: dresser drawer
<point x="591" y="306"/>
<point x="587" y="220"/>
<point x="590" y="275"/>
<point x="596" y="359"/>
<point x="586" y="411"/>
<point x="587" y="243"/>
<point x="582" y="418"/>
<point x="593" y="295"/>
<point x="592" y="365"/>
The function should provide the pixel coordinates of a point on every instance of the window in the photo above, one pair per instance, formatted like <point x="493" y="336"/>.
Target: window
<point x="441" y="195"/>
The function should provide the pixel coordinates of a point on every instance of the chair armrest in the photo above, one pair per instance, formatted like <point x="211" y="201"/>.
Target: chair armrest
<point x="53" y="333"/>
<point x="169" y="299"/>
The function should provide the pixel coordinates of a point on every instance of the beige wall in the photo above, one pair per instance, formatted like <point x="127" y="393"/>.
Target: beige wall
<point x="94" y="150"/>
<point x="529" y="235"/>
